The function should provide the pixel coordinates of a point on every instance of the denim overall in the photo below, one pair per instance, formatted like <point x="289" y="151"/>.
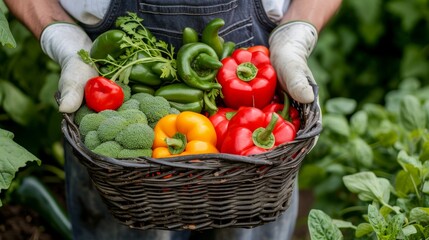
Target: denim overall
<point x="246" y="24"/>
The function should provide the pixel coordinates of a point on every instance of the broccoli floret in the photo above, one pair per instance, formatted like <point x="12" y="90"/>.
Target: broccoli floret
<point x="132" y="153"/>
<point x="174" y="111"/>
<point x="108" y="113"/>
<point x="154" y="107"/>
<point x="90" y="122"/>
<point x="91" y="140"/>
<point x="129" y="104"/>
<point x="110" y="127"/>
<point x="126" y="89"/>
<point x="109" y="149"/>
<point x="141" y="96"/>
<point x="81" y="112"/>
<point x="133" y="116"/>
<point x="136" y="136"/>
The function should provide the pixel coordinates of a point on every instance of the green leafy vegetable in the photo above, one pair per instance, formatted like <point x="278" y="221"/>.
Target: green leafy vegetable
<point x="137" y="40"/>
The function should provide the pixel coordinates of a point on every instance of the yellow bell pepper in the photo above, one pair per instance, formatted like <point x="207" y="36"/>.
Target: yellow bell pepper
<point x="182" y="134"/>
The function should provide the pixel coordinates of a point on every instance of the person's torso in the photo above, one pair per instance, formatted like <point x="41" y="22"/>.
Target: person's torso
<point x="247" y="22"/>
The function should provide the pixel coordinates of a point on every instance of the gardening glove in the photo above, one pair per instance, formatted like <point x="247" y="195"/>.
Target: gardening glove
<point x="61" y="42"/>
<point x="290" y="46"/>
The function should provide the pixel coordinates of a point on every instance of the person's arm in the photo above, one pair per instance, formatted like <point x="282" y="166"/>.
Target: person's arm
<point x="316" y="12"/>
<point x="61" y="39"/>
<point x="37" y="14"/>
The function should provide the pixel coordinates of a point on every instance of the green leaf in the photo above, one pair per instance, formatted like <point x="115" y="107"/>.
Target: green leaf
<point x="368" y="186"/>
<point x="343" y="224"/>
<point x="340" y="105"/>
<point x="419" y="214"/>
<point x="409" y="230"/>
<point x="12" y="157"/>
<point x="359" y="122"/>
<point x="403" y="181"/>
<point x="406" y="11"/>
<point x="6" y="36"/>
<point x="361" y="152"/>
<point x="321" y="226"/>
<point x="337" y="124"/>
<point x="394" y="227"/>
<point x="363" y="229"/>
<point x="410" y="113"/>
<point x="376" y="220"/>
<point x="19" y="106"/>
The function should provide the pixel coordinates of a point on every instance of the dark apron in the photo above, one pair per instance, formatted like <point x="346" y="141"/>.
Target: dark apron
<point x="246" y="22"/>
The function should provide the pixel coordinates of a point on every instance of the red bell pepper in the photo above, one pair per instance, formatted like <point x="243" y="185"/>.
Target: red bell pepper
<point x="252" y="131"/>
<point x="102" y="93"/>
<point x="288" y="113"/>
<point x="220" y="121"/>
<point x="247" y="79"/>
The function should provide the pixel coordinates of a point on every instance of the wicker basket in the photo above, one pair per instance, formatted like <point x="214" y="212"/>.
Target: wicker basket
<point x="204" y="191"/>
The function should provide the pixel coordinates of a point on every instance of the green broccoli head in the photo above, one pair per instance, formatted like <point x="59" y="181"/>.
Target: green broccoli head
<point x="133" y="153"/>
<point x="108" y="113"/>
<point x="129" y="104"/>
<point x="110" y="127"/>
<point x="90" y="122"/>
<point x="108" y="149"/>
<point x="91" y="140"/>
<point x="155" y="108"/>
<point x="133" y="116"/>
<point x="126" y="89"/>
<point x="136" y="136"/>
<point x="81" y="112"/>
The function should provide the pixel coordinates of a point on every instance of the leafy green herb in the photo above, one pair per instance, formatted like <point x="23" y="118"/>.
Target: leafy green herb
<point x="138" y="39"/>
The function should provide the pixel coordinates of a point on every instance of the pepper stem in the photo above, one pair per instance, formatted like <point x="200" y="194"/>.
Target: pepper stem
<point x="177" y="143"/>
<point x="246" y="71"/>
<point x="285" y="111"/>
<point x="264" y="137"/>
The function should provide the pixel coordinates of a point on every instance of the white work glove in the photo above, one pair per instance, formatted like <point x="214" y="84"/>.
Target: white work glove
<point x="61" y="42"/>
<point x="290" y="46"/>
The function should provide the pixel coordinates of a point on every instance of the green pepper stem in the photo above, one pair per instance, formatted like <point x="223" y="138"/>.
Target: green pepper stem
<point x="264" y="137"/>
<point x="177" y="143"/>
<point x="285" y="111"/>
<point x="246" y="71"/>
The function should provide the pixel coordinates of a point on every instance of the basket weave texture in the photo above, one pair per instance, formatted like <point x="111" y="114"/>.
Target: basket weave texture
<point x="205" y="191"/>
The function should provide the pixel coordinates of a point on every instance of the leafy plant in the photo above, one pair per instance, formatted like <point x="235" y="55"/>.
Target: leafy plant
<point x="381" y="154"/>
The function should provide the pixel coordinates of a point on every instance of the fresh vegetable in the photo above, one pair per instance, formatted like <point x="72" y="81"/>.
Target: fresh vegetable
<point x="210" y="35"/>
<point x="154" y="107"/>
<point x="197" y="65"/>
<point x="189" y="35"/>
<point x="141" y="88"/>
<point x="108" y="44"/>
<point x="148" y="73"/>
<point x="138" y="48"/>
<point x="102" y="93"/>
<point x="251" y="131"/>
<point x="286" y="111"/>
<point x="260" y="48"/>
<point x="182" y="134"/>
<point x="247" y="79"/>
<point x="34" y="194"/>
<point x="228" y="49"/>
<point x="121" y="133"/>
<point x="182" y="97"/>
<point x="220" y="121"/>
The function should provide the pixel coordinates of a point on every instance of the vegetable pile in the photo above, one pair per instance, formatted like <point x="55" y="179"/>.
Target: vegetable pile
<point x="150" y="100"/>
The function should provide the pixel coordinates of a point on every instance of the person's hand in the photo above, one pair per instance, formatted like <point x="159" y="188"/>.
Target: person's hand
<point x="61" y="42"/>
<point x="290" y="45"/>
